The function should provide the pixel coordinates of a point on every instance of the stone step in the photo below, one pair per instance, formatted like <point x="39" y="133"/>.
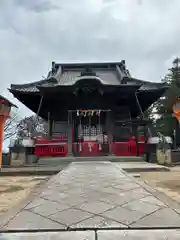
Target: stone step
<point x="56" y="161"/>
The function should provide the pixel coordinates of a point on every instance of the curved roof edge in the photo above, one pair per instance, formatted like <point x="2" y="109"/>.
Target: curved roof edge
<point x="52" y="82"/>
<point x="147" y="85"/>
<point x="33" y="87"/>
<point x="67" y="74"/>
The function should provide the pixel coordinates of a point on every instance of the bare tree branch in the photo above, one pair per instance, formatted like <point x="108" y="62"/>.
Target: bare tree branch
<point x="17" y="128"/>
<point x="11" y="126"/>
<point x="32" y="126"/>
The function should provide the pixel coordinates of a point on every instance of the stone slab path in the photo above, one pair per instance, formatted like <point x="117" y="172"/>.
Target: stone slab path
<point x="99" y="235"/>
<point x="95" y="196"/>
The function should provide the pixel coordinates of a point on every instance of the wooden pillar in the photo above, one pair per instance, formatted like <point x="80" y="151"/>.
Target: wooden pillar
<point x="137" y="139"/>
<point x="109" y="129"/>
<point x="51" y="127"/>
<point x="70" y="133"/>
<point x="2" y="121"/>
<point x="50" y="124"/>
<point x="147" y="154"/>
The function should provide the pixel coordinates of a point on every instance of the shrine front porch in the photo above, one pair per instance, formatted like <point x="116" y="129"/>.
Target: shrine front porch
<point x="94" y="133"/>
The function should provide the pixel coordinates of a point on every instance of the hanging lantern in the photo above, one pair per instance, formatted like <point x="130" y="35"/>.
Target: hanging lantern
<point x="176" y="110"/>
<point x="5" y="108"/>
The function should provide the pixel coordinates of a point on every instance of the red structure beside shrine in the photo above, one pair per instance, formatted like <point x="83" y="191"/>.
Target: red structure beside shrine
<point x="93" y="109"/>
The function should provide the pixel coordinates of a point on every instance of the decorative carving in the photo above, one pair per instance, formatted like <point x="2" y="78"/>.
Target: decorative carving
<point x="88" y="72"/>
<point x="53" y="70"/>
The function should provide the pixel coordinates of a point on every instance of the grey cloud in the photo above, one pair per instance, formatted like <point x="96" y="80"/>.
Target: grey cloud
<point x="35" y="32"/>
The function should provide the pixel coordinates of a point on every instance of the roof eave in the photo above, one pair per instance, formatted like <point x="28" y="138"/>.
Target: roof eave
<point x="51" y="80"/>
<point x="17" y="92"/>
<point x="144" y="82"/>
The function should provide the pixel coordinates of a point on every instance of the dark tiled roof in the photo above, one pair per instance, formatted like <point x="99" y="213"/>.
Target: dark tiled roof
<point x="147" y="85"/>
<point x="68" y="74"/>
<point x="105" y="76"/>
<point x="33" y="87"/>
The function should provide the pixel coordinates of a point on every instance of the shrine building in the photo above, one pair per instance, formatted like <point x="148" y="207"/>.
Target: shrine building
<point x="92" y="109"/>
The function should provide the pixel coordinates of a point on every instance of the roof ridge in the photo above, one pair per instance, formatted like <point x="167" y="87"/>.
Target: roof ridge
<point x="89" y="62"/>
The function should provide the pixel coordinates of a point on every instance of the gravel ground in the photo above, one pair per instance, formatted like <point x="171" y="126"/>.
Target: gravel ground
<point x="13" y="190"/>
<point x="166" y="182"/>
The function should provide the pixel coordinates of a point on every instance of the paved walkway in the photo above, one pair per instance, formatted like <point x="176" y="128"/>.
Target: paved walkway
<point x="94" y="195"/>
<point x="99" y="235"/>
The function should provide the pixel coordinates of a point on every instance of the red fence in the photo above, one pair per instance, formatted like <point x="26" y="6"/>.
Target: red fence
<point x="124" y="149"/>
<point x="45" y="148"/>
<point x="129" y="148"/>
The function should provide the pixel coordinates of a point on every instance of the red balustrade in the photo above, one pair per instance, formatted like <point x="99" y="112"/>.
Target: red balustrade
<point x="124" y="149"/>
<point x="51" y="150"/>
<point x="57" y="146"/>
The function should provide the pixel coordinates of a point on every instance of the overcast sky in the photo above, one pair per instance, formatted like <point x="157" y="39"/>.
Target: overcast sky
<point x="33" y="33"/>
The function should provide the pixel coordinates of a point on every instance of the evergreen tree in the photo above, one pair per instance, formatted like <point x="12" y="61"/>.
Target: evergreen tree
<point x="167" y="123"/>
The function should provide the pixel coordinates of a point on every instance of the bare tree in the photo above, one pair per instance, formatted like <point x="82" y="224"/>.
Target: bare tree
<point x="31" y="126"/>
<point x="11" y="126"/>
<point x="17" y="128"/>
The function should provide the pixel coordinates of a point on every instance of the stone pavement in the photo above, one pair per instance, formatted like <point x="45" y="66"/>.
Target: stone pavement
<point x="95" y="196"/>
<point x="99" y="235"/>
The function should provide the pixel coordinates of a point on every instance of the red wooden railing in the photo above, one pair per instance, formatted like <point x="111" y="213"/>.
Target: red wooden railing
<point x="132" y="147"/>
<point x="59" y="147"/>
<point x="54" y="146"/>
<point x="124" y="149"/>
<point x="44" y="150"/>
